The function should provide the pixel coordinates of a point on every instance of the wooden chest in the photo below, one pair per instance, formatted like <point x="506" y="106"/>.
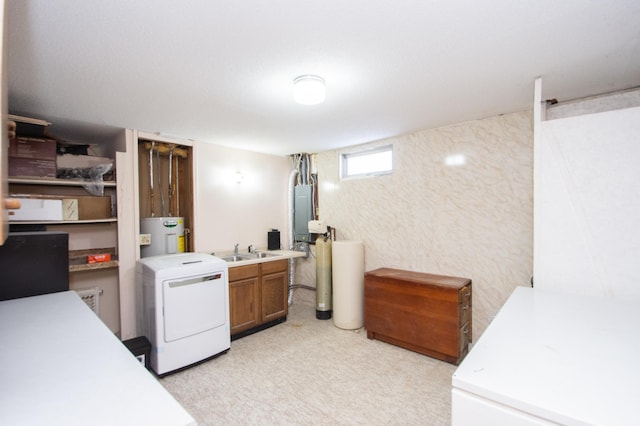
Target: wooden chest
<point x="425" y="313"/>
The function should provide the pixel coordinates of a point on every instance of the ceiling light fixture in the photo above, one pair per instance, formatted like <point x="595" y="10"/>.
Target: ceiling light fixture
<point x="309" y="90"/>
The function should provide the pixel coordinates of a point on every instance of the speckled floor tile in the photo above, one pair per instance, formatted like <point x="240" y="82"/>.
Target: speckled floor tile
<point x="306" y="372"/>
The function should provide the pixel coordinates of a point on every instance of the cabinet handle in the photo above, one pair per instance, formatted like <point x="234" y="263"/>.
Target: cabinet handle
<point x="465" y="330"/>
<point x="465" y="307"/>
<point x="11" y="203"/>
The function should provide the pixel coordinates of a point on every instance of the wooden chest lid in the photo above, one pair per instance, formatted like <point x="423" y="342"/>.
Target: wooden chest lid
<point x="418" y="277"/>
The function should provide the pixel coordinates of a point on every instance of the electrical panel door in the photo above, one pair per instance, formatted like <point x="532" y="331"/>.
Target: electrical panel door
<point x="303" y="211"/>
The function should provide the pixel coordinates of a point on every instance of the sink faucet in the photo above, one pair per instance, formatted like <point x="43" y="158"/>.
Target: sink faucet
<point x="235" y="248"/>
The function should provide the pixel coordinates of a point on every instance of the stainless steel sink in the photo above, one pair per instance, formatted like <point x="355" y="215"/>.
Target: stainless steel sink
<point x="248" y="256"/>
<point x="261" y="254"/>
<point x="236" y="258"/>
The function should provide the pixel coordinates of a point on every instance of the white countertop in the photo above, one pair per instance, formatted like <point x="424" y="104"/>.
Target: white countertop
<point x="570" y="359"/>
<point x="60" y="365"/>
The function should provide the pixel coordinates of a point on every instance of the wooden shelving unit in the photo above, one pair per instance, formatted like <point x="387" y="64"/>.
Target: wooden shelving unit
<point x="96" y="230"/>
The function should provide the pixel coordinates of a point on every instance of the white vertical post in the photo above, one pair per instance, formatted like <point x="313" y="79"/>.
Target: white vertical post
<point x="539" y="115"/>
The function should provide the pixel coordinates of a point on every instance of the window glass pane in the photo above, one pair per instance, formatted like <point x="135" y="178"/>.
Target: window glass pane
<point x="378" y="161"/>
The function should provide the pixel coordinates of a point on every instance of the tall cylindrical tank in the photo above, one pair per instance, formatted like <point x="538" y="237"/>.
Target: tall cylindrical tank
<point x="323" y="278"/>
<point x="348" y="284"/>
<point x="167" y="235"/>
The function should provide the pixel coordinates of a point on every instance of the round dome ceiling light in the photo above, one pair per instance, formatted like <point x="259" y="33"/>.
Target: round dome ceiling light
<point x="309" y="90"/>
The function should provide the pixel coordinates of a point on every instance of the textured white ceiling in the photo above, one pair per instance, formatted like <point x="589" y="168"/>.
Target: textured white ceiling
<point x="222" y="71"/>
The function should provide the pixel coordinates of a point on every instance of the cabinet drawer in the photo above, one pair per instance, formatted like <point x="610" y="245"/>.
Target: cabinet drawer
<point x="464" y="295"/>
<point x="465" y="339"/>
<point x="243" y="272"/>
<point x="274" y="266"/>
<point x="465" y="314"/>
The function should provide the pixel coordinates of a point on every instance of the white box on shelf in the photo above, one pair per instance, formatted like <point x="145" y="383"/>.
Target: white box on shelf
<point x="37" y="209"/>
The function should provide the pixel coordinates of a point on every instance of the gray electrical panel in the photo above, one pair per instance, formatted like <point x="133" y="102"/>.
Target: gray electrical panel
<point x="302" y="211"/>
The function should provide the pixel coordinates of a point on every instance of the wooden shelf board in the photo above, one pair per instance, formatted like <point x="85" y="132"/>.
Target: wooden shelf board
<point x="93" y="266"/>
<point x="61" y="222"/>
<point x="55" y="182"/>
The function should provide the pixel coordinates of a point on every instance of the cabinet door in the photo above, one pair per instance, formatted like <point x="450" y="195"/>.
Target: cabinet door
<point x="243" y="304"/>
<point x="274" y="296"/>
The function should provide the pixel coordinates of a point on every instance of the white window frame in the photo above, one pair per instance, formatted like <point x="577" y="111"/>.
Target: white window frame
<point x="344" y="162"/>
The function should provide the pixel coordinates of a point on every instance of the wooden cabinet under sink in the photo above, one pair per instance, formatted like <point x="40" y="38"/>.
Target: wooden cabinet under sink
<point x="257" y="296"/>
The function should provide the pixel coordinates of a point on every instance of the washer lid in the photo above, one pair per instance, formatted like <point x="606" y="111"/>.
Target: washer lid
<point x="182" y="260"/>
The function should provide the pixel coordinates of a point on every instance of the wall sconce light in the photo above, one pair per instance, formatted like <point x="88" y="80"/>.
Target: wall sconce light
<point x="309" y="90"/>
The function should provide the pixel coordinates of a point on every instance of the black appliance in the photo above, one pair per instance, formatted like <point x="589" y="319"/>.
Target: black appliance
<point x="34" y="263"/>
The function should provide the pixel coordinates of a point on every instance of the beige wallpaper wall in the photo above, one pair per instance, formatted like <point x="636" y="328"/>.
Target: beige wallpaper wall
<point x="473" y="220"/>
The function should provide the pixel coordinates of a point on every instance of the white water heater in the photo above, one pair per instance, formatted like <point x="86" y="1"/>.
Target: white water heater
<point x="166" y="235"/>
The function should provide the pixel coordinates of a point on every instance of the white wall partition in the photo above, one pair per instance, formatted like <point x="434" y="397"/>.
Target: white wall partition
<point x="587" y="203"/>
<point x="239" y="197"/>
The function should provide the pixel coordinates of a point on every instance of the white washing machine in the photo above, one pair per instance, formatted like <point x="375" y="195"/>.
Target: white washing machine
<point x="183" y="308"/>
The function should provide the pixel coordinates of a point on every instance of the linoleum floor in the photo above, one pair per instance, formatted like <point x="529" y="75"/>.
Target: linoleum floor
<point x="308" y="372"/>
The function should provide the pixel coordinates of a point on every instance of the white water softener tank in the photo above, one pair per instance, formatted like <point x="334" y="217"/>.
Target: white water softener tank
<point x="348" y="284"/>
<point x="166" y="235"/>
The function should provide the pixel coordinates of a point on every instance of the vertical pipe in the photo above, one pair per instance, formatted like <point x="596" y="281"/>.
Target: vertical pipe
<point x="164" y="209"/>
<point x="170" y="181"/>
<point x="303" y="169"/>
<point x="292" y="270"/>
<point x="151" y="200"/>
<point x="177" y="192"/>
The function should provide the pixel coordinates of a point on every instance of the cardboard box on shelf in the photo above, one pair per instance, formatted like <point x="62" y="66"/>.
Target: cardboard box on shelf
<point x="70" y="209"/>
<point x="71" y="161"/>
<point x="32" y="157"/>
<point x="40" y="148"/>
<point x="32" y="167"/>
<point x="86" y="208"/>
<point x="29" y="126"/>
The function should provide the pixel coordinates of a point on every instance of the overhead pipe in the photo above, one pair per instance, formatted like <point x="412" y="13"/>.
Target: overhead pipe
<point x="290" y="210"/>
<point x="303" y="169"/>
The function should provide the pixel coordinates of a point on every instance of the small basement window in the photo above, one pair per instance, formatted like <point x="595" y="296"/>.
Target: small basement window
<point x="373" y="162"/>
